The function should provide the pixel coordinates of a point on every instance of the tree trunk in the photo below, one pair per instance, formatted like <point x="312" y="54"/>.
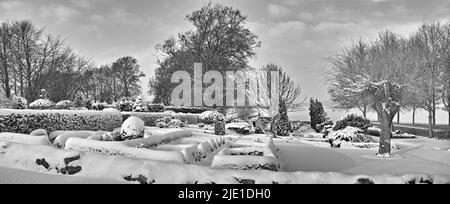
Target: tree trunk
<point x="398" y="118"/>
<point x="4" y="59"/>
<point x="385" y="137"/>
<point x="414" y="116"/>
<point x="430" y="123"/>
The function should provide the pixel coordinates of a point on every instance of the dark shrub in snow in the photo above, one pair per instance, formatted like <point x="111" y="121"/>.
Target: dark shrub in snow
<point x="139" y="105"/>
<point x="79" y="101"/>
<point x="219" y="127"/>
<point x="99" y="106"/>
<point x="25" y="121"/>
<point x="163" y="122"/>
<point x="19" y="102"/>
<point x="317" y="113"/>
<point x="352" y="120"/>
<point x="183" y="109"/>
<point x="280" y="126"/>
<point x="126" y="104"/>
<point x="155" y="108"/>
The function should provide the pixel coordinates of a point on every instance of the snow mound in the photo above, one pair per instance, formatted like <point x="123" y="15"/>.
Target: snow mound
<point x="24" y="139"/>
<point x="121" y="149"/>
<point x="189" y="151"/>
<point x="132" y="128"/>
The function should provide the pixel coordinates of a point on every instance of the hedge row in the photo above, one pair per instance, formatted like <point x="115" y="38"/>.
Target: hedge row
<point x="151" y="118"/>
<point x="182" y="109"/>
<point x="25" y="121"/>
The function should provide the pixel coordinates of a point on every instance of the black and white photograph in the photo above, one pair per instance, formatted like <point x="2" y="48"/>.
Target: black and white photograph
<point x="225" y="92"/>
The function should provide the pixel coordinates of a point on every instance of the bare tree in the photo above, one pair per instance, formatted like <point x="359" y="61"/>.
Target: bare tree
<point x="289" y="93"/>
<point x="383" y="82"/>
<point x="358" y="58"/>
<point x="5" y="46"/>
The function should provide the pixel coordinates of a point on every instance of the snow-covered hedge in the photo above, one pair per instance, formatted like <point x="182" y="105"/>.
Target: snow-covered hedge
<point x="189" y="118"/>
<point x="246" y="162"/>
<point x="209" y="117"/>
<point x="181" y="109"/>
<point x="25" y="121"/>
<point x="149" y="118"/>
<point x="122" y="169"/>
<point x="246" y="158"/>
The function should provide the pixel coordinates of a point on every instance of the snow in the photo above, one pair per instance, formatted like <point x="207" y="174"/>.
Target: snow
<point x="64" y="112"/>
<point x="416" y="156"/>
<point x="24" y="139"/>
<point x="189" y="151"/>
<point x="119" y="148"/>
<point x="17" y="176"/>
<point x="121" y="169"/>
<point x="61" y="140"/>
<point x="132" y="128"/>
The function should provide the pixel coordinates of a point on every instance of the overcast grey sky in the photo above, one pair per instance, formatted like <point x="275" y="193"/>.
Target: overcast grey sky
<point x="298" y="34"/>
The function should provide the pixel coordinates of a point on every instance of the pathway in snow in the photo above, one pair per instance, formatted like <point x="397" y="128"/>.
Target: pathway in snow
<point x="417" y="156"/>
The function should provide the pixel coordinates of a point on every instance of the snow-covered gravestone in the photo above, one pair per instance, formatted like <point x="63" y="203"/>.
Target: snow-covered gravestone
<point x="132" y="128"/>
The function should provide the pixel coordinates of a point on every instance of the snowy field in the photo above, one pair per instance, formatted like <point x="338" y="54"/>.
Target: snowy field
<point x="421" y="155"/>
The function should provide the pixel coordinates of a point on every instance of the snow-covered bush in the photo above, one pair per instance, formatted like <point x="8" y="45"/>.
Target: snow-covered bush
<point x="242" y="128"/>
<point x="345" y="135"/>
<point x="280" y="126"/>
<point x="19" y="102"/>
<point x="325" y="127"/>
<point x="183" y="109"/>
<point x="126" y="104"/>
<point x="99" y="106"/>
<point x="149" y="118"/>
<point x="219" y="127"/>
<point x="42" y="104"/>
<point x="132" y="128"/>
<point x="24" y="121"/>
<point x="80" y="101"/>
<point x="189" y="118"/>
<point x="303" y="130"/>
<point x="139" y="105"/>
<point x="352" y="120"/>
<point x="156" y="108"/>
<point x="246" y="158"/>
<point x="209" y="117"/>
<point x="66" y="104"/>
<point x="163" y="122"/>
<point x="175" y="123"/>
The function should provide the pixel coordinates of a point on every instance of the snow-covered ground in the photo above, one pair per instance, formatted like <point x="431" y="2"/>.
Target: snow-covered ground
<point x="418" y="160"/>
<point x="421" y="155"/>
<point x="17" y="176"/>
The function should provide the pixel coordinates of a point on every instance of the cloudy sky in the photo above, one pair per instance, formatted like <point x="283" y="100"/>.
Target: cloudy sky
<point x="298" y="34"/>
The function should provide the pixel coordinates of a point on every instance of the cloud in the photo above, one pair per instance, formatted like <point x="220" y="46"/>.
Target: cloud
<point x="59" y="12"/>
<point x="278" y="11"/>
